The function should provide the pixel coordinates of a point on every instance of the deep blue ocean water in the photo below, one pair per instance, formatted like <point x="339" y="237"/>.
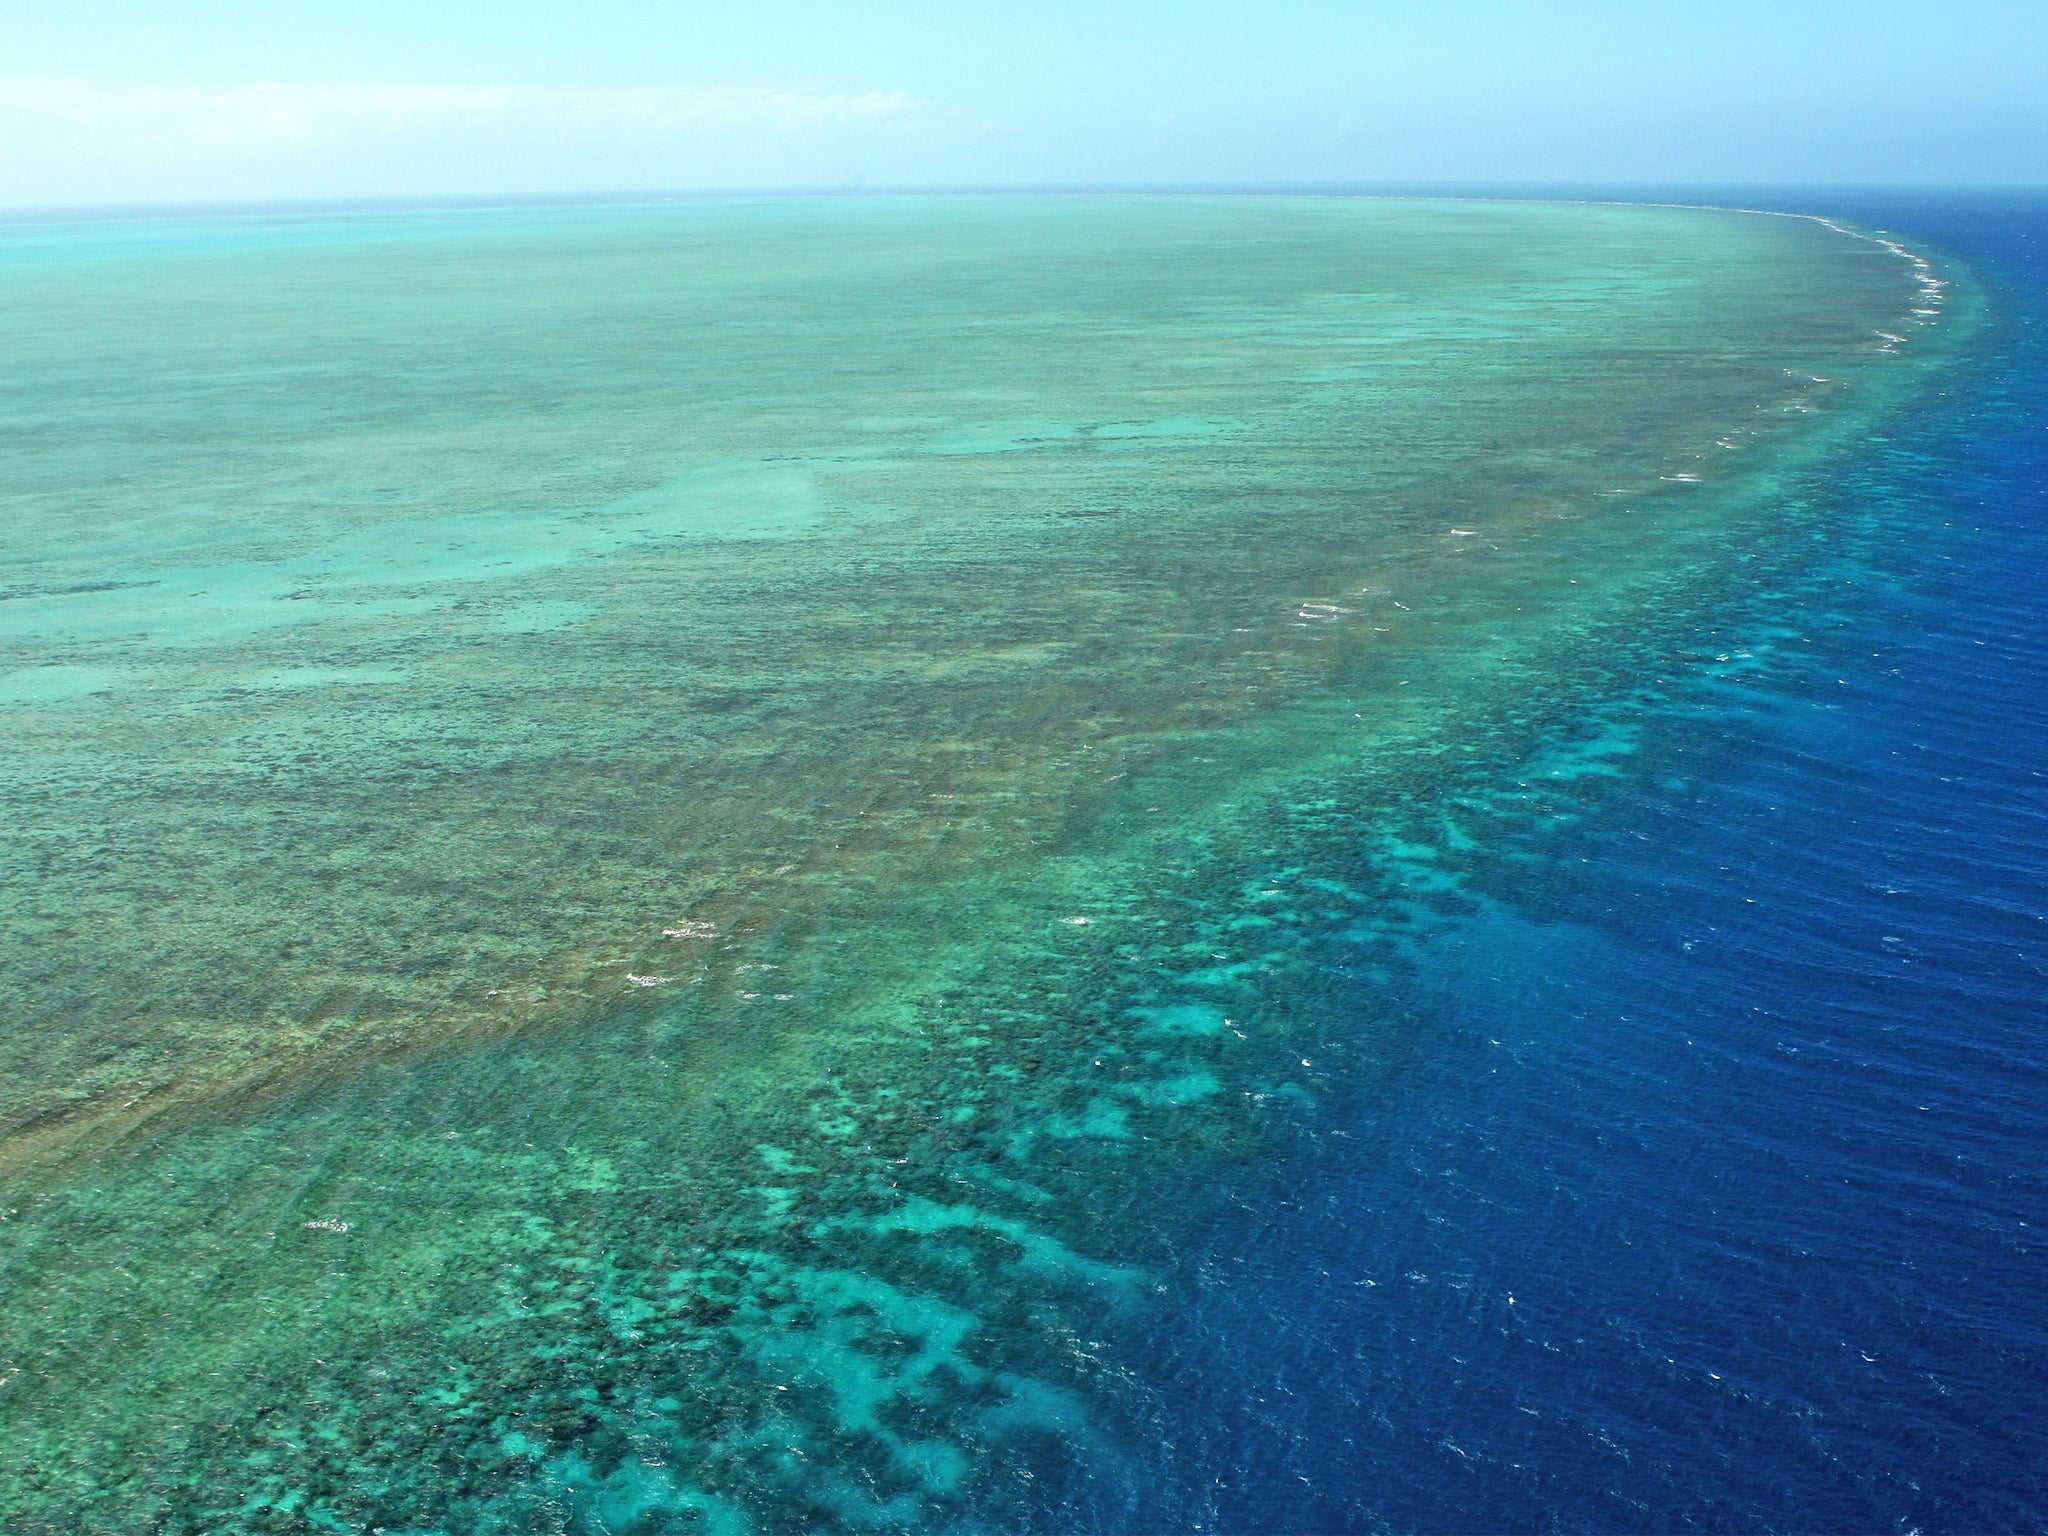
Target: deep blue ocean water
<point x="1713" y="1197"/>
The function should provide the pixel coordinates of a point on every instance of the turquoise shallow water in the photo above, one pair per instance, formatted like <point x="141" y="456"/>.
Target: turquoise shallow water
<point x="663" y="853"/>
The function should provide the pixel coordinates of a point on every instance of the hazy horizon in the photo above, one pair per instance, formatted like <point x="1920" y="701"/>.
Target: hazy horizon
<point x="107" y="104"/>
<point x="1758" y="196"/>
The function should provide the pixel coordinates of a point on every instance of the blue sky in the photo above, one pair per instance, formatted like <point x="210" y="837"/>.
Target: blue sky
<point x="124" y="101"/>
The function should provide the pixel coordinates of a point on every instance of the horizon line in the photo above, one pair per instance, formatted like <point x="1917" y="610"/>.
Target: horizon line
<point x="1476" y="189"/>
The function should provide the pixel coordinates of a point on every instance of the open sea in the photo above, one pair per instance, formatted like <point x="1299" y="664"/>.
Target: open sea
<point x="1716" y="1198"/>
<point x="1045" y="864"/>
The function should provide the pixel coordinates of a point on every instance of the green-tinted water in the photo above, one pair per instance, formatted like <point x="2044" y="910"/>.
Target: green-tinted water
<point x="641" y="840"/>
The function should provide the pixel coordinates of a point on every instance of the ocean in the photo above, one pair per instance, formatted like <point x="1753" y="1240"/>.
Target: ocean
<point x="1715" y="1200"/>
<point x="1043" y="864"/>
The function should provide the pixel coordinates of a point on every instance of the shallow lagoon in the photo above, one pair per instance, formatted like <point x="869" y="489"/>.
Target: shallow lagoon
<point x="660" y="849"/>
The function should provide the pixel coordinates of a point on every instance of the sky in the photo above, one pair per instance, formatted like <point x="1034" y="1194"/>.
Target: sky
<point x="164" y="101"/>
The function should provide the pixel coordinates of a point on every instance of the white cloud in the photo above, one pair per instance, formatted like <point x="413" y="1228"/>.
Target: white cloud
<point x="78" y="140"/>
<point x="256" y="115"/>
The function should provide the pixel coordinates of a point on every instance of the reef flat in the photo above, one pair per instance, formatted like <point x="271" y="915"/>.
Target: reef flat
<point x="653" y="851"/>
